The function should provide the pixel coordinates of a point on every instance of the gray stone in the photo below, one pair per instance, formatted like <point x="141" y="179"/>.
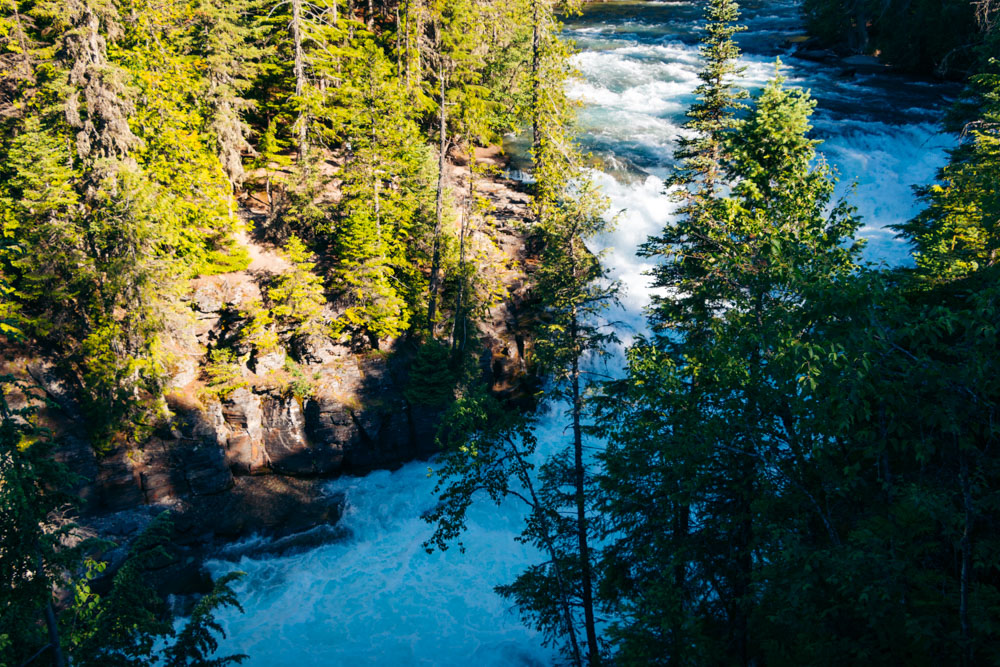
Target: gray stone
<point x="119" y="484"/>
<point x="322" y="350"/>
<point x="207" y="471"/>
<point x="207" y="298"/>
<point x="239" y="425"/>
<point x="288" y="448"/>
<point x="331" y="424"/>
<point x="185" y="372"/>
<point x="158" y="486"/>
<point x="272" y="360"/>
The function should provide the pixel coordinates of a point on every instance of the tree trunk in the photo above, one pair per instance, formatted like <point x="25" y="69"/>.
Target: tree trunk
<point x="461" y="285"/>
<point x="745" y="470"/>
<point x="466" y="221"/>
<point x="587" y="593"/>
<point x="744" y="560"/>
<point x="859" y="31"/>
<point x="436" y="256"/>
<point x="406" y="38"/>
<point x="554" y="557"/>
<point x="399" y="50"/>
<point x="50" y="620"/>
<point x="536" y="37"/>
<point x="966" y="575"/>
<point x="682" y="525"/>
<point x="299" y="69"/>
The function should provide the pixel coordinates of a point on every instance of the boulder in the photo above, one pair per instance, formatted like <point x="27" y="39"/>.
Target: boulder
<point x="330" y="424"/>
<point x="206" y="470"/>
<point x="170" y="469"/>
<point x="185" y="371"/>
<point x="239" y="424"/>
<point x="385" y="437"/>
<point x="119" y="483"/>
<point x="158" y="486"/>
<point x="207" y="298"/>
<point x="271" y="360"/>
<point x="341" y="377"/>
<point x="322" y="350"/>
<point x="862" y="62"/>
<point x="285" y="443"/>
<point x="816" y="55"/>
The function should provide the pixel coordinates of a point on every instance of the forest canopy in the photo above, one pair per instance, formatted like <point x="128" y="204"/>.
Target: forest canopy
<point x="797" y="464"/>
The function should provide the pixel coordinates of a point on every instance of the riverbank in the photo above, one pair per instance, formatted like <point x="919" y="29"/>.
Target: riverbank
<point x="252" y="462"/>
<point x="376" y="596"/>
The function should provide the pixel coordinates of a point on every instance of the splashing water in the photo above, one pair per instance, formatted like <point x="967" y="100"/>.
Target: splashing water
<point x="377" y="598"/>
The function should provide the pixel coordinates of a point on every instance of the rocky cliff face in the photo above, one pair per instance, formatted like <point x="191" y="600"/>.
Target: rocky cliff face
<point x="253" y="461"/>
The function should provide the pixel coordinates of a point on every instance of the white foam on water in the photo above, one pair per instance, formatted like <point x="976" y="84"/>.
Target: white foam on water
<point x="878" y="165"/>
<point x="377" y="598"/>
<point x="640" y="210"/>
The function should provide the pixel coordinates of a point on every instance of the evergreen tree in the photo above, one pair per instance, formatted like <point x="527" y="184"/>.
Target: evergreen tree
<point x="488" y="453"/>
<point x="127" y="627"/>
<point x="893" y="511"/>
<point x="700" y="170"/>
<point x="32" y="485"/>
<point x="224" y="37"/>
<point x="297" y="298"/>
<point x="959" y="232"/>
<point x="931" y="37"/>
<point x="573" y="293"/>
<point x="456" y="75"/>
<point x="112" y="226"/>
<point x="139" y="190"/>
<point x="44" y="257"/>
<point x="196" y="643"/>
<point x="120" y="628"/>
<point x="489" y="448"/>
<point x="719" y="403"/>
<point x="384" y="204"/>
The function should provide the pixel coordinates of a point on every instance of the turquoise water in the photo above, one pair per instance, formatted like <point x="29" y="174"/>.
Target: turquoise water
<point x="377" y="598"/>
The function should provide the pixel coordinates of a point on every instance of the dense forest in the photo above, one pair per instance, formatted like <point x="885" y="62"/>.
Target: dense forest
<point x="939" y="37"/>
<point x="133" y="134"/>
<point x="795" y="466"/>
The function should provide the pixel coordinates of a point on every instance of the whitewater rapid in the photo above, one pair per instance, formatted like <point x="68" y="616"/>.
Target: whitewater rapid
<point x="377" y="598"/>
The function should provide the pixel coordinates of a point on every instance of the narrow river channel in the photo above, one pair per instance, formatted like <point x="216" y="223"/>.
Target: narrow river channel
<point x="376" y="598"/>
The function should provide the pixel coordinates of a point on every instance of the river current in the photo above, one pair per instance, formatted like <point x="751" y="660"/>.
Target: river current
<point x="376" y="597"/>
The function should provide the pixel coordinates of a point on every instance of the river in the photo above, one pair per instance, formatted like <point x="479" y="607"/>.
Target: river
<point x="377" y="598"/>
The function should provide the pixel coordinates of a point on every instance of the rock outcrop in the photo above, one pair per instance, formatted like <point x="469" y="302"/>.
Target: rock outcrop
<point x="252" y="459"/>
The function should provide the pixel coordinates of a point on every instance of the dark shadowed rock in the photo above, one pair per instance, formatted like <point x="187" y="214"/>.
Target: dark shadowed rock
<point x="330" y="425"/>
<point x="286" y="443"/>
<point x="78" y="455"/>
<point x="262" y="547"/>
<point x="57" y="386"/>
<point x="207" y="471"/>
<point x="120" y="485"/>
